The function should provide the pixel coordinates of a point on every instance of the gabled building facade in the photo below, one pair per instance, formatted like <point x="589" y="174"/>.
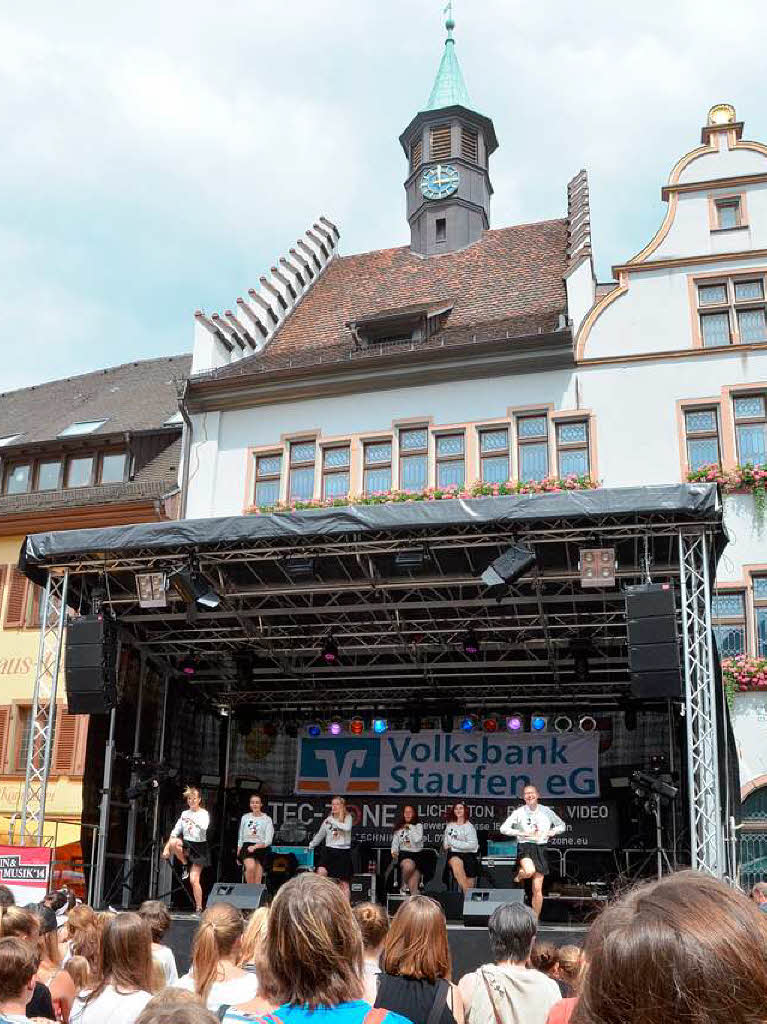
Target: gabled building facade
<point x="100" y="449"/>
<point x="482" y="359"/>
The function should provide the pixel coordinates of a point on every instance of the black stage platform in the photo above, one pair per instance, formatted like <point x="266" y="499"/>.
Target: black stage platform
<point x="469" y="946"/>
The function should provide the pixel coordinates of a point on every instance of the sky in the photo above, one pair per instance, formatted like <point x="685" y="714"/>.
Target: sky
<point x="158" y="157"/>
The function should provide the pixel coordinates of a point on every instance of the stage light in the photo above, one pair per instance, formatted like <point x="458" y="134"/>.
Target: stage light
<point x="314" y="730"/>
<point x="507" y="568"/>
<point x="587" y="723"/>
<point x="407" y="561"/>
<point x="469" y="723"/>
<point x="537" y="723"/>
<point x="597" y="566"/>
<point x="470" y="644"/>
<point x="188" y="666"/>
<point x="193" y="588"/>
<point x="151" y="589"/>
<point x="335" y="728"/>
<point x="514" y="723"/>
<point x="563" y="723"/>
<point x="299" y="568"/>
<point x="490" y="724"/>
<point x="357" y="726"/>
<point x="380" y="725"/>
<point x="414" y="723"/>
<point x="330" y="652"/>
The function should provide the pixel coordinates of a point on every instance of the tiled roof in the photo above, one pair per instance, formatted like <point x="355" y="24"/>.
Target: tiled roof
<point x="79" y="497"/>
<point x="134" y="396"/>
<point x="510" y="281"/>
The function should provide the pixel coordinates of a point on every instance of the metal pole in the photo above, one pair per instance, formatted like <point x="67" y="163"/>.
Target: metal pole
<point x="91" y="873"/>
<point x="154" y="866"/>
<point x="708" y="640"/>
<point x="227" y="762"/>
<point x="106" y="800"/>
<point x="130" y="838"/>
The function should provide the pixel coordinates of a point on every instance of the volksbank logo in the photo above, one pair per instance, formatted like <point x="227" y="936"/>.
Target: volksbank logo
<point x="340" y="765"/>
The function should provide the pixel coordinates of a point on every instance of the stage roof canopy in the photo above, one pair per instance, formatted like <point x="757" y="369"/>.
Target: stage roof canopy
<point x="396" y="587"/>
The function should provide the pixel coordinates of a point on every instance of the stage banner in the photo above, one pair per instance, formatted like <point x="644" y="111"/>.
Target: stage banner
<point x="459" y="764"/>
<point x="25" y="870"/>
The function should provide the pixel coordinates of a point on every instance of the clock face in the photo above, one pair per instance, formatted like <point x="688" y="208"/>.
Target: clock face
<point x="440" y="181"/>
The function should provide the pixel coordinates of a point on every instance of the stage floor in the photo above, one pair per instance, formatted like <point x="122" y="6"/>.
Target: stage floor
<point x="469" y="947"/>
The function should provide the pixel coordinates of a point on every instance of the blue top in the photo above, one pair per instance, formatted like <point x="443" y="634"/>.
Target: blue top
<point x="345" y="1013"/>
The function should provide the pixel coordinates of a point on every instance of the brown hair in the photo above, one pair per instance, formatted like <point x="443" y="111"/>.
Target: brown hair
<point x="126" y="955"/>
<point x="313" y="947"/>
<point x="451" y="813"/>
<point x="175" y="1006"/>
<point x="544" y="956"/>
<point x="570" y="963"/>
<point x="219" y="930"/>
<point x="18" y="922"/>
<point x="6" y="896"/>
<point x="156" y="915"/>
<point x="49" y="949"/>
<point x="18" y="964"/>
<point x="85" y="936"/>
<point x="401" y="820"/>
<point x="374" y="924"/>
<point x="79" y="971"/>
<point x="685" y="948"/>
<point x="255" y="933"/>
<point x="416" y="946"/>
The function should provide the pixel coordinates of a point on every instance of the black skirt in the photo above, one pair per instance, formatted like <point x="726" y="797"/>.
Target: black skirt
<point x="337" y="863"/>
<point x="197" y="853"/>
<point x="260" y="854"/>
<point x="535" y="853"/>
<point x="470" y="862"/>
<point x="419" y="858"/>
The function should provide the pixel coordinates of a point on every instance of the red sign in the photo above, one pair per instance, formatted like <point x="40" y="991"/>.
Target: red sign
<point x="25" y="870"/>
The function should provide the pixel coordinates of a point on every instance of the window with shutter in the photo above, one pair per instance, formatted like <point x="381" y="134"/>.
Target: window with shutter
<point x="65" y="749"/>
<point x="5" y="728"/>
<point x="3" y="573"/>
<point x="469" y="144"/>
<point x="16" y="601"/>
<point x="439" y="142"/>
<point x="416" y="155"/>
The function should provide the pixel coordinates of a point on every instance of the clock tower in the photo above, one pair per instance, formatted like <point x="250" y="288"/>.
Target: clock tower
<point x="448" y="146"/>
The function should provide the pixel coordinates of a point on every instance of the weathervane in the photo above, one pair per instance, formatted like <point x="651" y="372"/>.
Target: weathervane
<point x="449" y="21"/>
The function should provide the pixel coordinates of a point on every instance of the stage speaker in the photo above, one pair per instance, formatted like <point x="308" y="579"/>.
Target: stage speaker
<point x="90" y="665"/>
<point x="479" y="904"/>
<point x="362" y="889"/>
<point x="653" y="642"/>
<point x="450" y="901"/>
<point x="243" y="895"/>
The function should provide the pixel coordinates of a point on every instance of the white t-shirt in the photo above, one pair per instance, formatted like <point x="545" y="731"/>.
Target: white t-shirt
<point x="337" y="834"/>
<point x="542" y="822"/>
<point x="408" y="839"/>
<point x="192" y="826"/>
<point x="112" y="1006"/>
<point x="233" y="991"/>
<point x="461" y="838"/>
<point x="255" y="828"/>
<point x="13" y="1018"/>
<point x="165" y="958"/>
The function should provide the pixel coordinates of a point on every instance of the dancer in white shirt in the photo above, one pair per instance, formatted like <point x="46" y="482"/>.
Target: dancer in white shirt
<point x="460" y="841"/>
<point x="533" y="825"/>
<point x="254" y="840"/>
<point x="407" y="849"/>
<point x="335" y="860"/>
<point x="189" y="842"/>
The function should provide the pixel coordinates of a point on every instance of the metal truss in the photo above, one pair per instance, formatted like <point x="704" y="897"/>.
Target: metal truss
<point x="706" y="825"/>
<point x="43" y="717"/>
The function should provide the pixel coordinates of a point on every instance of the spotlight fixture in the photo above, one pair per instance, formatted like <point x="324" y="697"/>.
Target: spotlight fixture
<point x="314" y="730"/>
<point x="468" y="723"/>
<point x="470" y="644"/>
<point x="330" y="652"/>
<point x="489" y="724"/>
<point x="380" y="725"/>
<point x="299" y="568"/>
<point x="188" y="666"/>
<point x="563" y="723"/>
<point x="597" y="566"/>
<point x="151" y="587"/>
<point x="537" y="723"/>
<point x="335" y="728"/>
<point x="357" y="726"/>
<point x="514" y="723"/>
<point x="587" y="723"/>
<point x="412" y="559"/>
<point x="507" y="568"/>
<point x="193" y="588"/>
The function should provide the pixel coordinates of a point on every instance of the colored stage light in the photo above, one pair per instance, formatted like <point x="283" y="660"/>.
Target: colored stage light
<point x="314" y="730"/>
<point x="380" y="725"/>
<point x="356" y="726"/>
<point x="471" y="644"/>
<point x="490" y="724"/>
<point x="330" y="652"/>
<point x="563" y="723"/>
<point x="537" y="723"/>
<point x="587" y="723"/>
<point x="514" y="723"/>
<point x="335" y="728"/>
<point x="468" y="722"/>
<point x="188" y="666"/>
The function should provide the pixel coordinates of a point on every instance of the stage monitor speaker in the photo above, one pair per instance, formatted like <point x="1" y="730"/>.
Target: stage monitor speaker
<point x="450" y="901"/>
<point x="653" y="642"/>
<point x="90" y="665"/>
<point x="362" y="889"/>
<point x="243" y="895"/>
<point x="479" y="904"/>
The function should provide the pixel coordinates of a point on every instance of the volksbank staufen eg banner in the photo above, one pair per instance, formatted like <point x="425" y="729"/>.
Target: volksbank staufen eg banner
<point x="458" y="764"/>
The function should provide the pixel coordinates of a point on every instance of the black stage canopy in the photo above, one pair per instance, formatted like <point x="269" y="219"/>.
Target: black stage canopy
<point x="396" y="587"/>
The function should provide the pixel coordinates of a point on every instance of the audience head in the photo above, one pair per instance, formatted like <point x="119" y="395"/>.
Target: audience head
<point x="685" y="948"/>
<point x="19" y="923"/>
<point x="313" y="946"/>
<point x="218" y="938"/>
<point x="6" y="897"/>
<point x="175" y="1006"/>
<point x="373" y="922"/>
<point x="544" y="956"/>
<point x="416" y="946"/>
<point x="255" y="933"/>
<point x="85" y="936"/>
<point x="512" y="929"/>
<point x="18" y="964"/>
<point x="570" y="964"/>
<point x="48" y="942"/>
<point x="126" y="955"/>
<point x="78" y="969"/>
<point x="156" y="915"/>
<point x="759" y="893"/>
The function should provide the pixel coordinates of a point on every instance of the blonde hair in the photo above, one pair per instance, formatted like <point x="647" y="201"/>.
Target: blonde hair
<point x="255" y="933"/>
<point x="373" y="922"/>
<point x="155" y="913"/>
<point x="85" y="936"/>
<point x="49" y="949"/>
<point x="416" y="946"/>
<point x="192" y="789"/>
<point x="79" y="971"/>
<point x="126" y="955"/>
<point x="570" y="963"/>
<point x="175" y="1006"/>
<point x="313" y="947"/>
<point x="18" y="963"/>
<point x="221" y="926"/>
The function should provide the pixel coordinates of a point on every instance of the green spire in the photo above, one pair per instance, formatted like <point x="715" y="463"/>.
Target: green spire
<point x="449" y="88"/>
